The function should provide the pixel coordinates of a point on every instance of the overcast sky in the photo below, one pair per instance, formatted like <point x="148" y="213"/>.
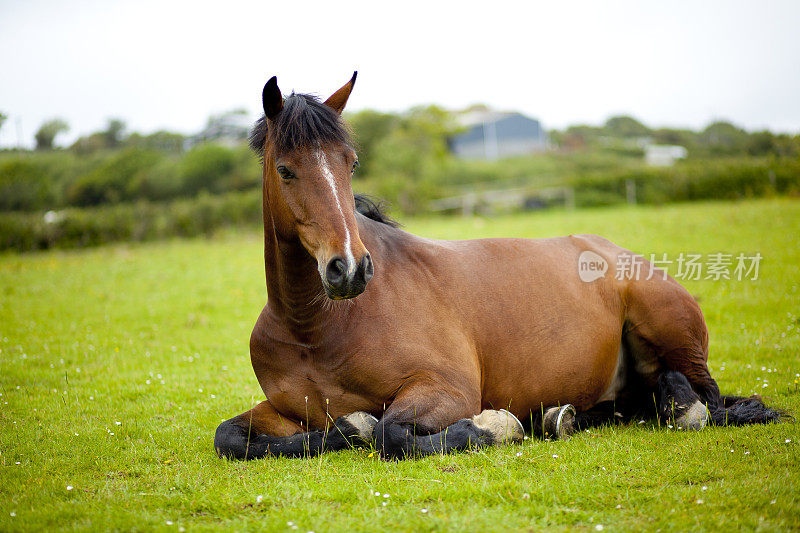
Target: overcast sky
<point x="169" y="64"/>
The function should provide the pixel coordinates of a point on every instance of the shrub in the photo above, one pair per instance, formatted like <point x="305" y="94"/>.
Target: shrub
<point x="115" y="180"/>
<point x="205" y="168"/>
<point x="23" y="185"/>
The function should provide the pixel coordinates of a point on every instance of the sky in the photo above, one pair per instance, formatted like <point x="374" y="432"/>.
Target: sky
<point x="168" y="64"/>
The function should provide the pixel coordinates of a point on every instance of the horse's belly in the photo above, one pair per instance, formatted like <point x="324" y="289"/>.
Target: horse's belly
<point x="544" y="336"/>
<point x="528" y="380"/>
<point x="563" y="354"/>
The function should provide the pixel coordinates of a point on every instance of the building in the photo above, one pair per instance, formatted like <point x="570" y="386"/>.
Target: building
<point x="493" y="135"/>
<point x="663" y="155"/>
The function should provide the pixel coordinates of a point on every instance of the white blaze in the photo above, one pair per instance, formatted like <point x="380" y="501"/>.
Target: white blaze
<point x="326" y="171"/>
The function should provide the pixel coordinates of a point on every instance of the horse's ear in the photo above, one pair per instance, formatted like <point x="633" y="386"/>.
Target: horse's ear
<point x="338" y="100"/>
<point x="271" y="98"/>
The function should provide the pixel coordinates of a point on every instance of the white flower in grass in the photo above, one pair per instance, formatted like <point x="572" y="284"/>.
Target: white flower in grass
<point x="598" y="527"/>
<point x="704" y="488"/>
<point x="423" y="511"/>
<point x="385" y="495"/>
<point x="168" y="522"/>
<point x="13" y="514"/>
<point x="699" y="502"/>
<point x="555" y="456"/>
<point x="290" y="523"/>
<point x="385" y="504"/>
<point x="377" y="493"/>
<point x="259" y="498"/>
<point x="519" y="454"/>
<point x="69" y="487"/>
<point x="787" y="441"/>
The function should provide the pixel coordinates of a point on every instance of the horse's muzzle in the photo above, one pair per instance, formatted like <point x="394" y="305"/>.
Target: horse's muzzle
<point x="342" y="281"/>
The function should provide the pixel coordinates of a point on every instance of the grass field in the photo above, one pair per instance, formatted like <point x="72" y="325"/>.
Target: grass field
<point x="117" y="364"/>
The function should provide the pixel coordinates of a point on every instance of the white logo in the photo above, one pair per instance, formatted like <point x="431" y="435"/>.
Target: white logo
<point x="591" y="266"/>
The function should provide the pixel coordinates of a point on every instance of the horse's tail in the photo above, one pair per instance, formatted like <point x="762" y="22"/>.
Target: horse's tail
<point x="740" y="411"/>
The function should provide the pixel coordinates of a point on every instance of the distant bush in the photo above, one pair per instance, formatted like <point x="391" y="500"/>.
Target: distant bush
<point x="115" y="180"/>
<point x="23" y="185"/>
<point x="205" y="168"/>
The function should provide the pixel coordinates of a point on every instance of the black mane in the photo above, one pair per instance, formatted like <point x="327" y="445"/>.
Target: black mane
<point x="375" y="209"/>
<point x="305" y="121"/>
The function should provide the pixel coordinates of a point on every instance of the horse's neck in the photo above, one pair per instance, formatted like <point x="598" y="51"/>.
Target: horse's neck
<point x="294" y="288"/>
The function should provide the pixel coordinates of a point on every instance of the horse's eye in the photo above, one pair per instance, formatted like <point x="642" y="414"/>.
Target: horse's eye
<point x="285" y="173"/>
<point x="355" y="166"/>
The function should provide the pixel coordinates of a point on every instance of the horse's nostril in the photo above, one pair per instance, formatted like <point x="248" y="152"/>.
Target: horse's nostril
<point x="369" y="269"/>
<point x="336" y="272"/>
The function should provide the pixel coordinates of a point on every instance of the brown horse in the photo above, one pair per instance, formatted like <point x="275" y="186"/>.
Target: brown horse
<point x="443" y="334"/>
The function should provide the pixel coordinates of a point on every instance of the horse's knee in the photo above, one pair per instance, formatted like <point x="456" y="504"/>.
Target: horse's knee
<point x="230" y="441"/>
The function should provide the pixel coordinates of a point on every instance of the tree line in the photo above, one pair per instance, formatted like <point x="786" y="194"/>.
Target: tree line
<point x="404" y="158"/>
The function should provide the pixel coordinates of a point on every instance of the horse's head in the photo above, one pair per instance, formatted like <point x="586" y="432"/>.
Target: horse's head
<point x="308" y="163"/>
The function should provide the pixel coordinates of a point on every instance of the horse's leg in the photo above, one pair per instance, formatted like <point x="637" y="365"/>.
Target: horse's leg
<point x="562" y="421"/>
<point x="668" y="338"/>
<point x="261" y="431"/>
<point x="678" y="404"/>
<point x="601" y="414"/>
<point x="425" y="420"/>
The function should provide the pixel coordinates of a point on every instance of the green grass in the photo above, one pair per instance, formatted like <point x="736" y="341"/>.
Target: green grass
<point x="118" y="363"/>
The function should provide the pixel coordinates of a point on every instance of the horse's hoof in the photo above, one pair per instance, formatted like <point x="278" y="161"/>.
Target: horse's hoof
<point x="362" y="425"/>
<point x="502" y="425"/>
<point x="694" y="418"/>
<point x="559" y="422"/>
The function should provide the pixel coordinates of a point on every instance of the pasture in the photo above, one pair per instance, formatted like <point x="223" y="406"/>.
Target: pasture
<point x="117" y="364"/>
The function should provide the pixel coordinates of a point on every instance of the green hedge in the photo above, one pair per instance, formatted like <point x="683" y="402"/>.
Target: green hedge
<point x="202" y="215"/>
<point x="142" y="221"/>
<point x="691" y="181"/>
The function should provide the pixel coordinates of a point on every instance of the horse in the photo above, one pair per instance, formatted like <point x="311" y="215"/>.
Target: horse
<point x="374" y="336"/>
